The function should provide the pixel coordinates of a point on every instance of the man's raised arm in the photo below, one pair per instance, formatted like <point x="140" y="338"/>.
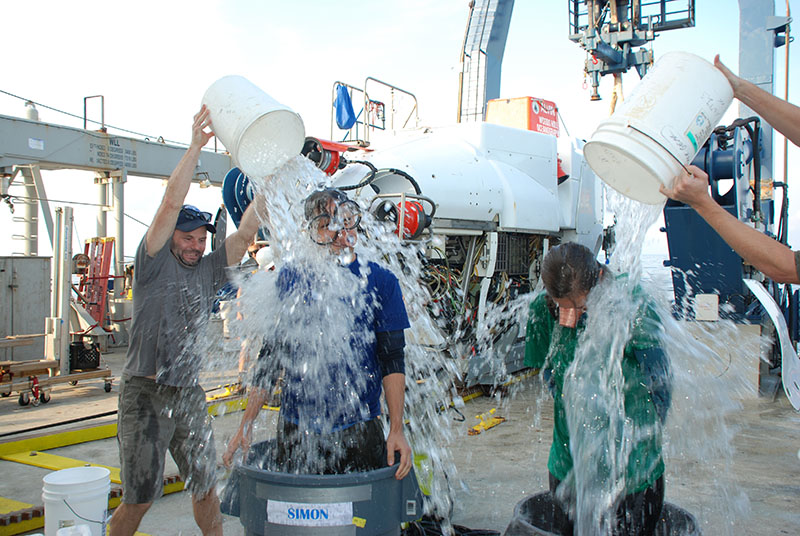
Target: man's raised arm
<point x="236" y="244"/>
<point x="769" y="256"/>
<point x="163" y="225"/>
<point x="783" y="116"/>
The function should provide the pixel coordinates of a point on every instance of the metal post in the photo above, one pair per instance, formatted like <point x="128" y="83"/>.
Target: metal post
<point x="101" y="180"/>
<point x="102" y="111"/>
<point x="57" y="325"/>
<point x="118" y="188"/>
<point x="54" y="268"/>
<point x="30" y="216"/>
<point x="44" y="204"/>
<point x="757" y="63"/>
<point x="65" y="277"/>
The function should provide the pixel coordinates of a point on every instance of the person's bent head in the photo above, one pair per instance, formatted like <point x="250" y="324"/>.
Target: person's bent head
<point x="569" y="272"/>
<point x="255" y="247"/>
<point x="332" y="219"/>
<point x="266" y="258"/>
<point x="189" y="238"/>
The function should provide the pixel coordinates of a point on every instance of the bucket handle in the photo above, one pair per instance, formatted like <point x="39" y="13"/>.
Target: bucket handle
<point x="662" y="146"/>
<point x="80" y="516"/>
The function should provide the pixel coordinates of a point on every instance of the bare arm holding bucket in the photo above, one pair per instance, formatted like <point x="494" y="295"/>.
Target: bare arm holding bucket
<point x="236" y="244"/>
<point x="163" y="224"/>
<point x="783" y="116"/>
<point x="769" y="256"/>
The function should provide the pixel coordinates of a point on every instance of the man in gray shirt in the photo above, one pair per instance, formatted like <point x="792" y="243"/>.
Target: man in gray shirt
<point x="161" y="405"/>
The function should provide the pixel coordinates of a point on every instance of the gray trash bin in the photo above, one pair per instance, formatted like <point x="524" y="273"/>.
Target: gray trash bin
<point x="369" y="503"/>
<point x="533" y="516"/>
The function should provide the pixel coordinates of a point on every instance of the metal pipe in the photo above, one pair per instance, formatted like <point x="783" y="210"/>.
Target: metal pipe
<point x="118" y="187"/>
<point x="54" y="297"/>
<point x="786" y="98"/>
<point x="65" y="271"/>
<point x="30" y="215"/>
<point x="102" y="111"/>
<point x="390" y="86"/>
<point x="102" y="201"/>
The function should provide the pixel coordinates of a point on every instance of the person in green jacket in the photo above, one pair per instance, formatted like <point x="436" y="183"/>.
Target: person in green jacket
<point x="616" y="424"/>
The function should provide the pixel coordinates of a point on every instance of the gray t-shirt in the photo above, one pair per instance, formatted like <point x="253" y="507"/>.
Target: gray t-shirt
<point x="797" y="263"/>
<point x="171" y="307"/>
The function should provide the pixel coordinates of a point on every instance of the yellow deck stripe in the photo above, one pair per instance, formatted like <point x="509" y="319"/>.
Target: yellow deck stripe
<point x="22" y="527"/>
<point x="227" y="406"/>
<point x="20" y="452"/>
<point x="230" y="406"/>
<point x="61" y="439"/>
<point x="38" y="522"/>
<point x="10" y="505"/>
<point x="55" y="462"/>
<point x="173" y="488"/>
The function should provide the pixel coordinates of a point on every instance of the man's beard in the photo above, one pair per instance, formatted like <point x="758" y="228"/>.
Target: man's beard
<point x="179" y="254"/>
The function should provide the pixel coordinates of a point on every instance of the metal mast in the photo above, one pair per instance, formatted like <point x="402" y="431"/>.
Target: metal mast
<point x="482" y="56"/>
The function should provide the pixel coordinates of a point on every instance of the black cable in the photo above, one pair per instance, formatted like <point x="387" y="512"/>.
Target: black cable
<point x="373" y="173"/>
<point x="72" y="203"/>
<point x="460" y="417"/>
<point x="431" y="525"/>
<point x="370" y="176"/>
<point x="406" y="176"/>
<point x="754" y="132"/>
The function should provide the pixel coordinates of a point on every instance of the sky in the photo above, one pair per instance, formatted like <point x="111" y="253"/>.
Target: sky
<point x="153" y="61"/>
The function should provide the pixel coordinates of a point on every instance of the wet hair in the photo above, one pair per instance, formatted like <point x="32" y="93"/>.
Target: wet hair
<point x="317" y="203"/>
<point x="569" y="268"/>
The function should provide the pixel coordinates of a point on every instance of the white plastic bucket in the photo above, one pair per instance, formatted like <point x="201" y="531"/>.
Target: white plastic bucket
<point x="77" y="530"/>
<point x="76" y="496"/>
<point x="660" y="127"/>
<point x="260" y="133"/>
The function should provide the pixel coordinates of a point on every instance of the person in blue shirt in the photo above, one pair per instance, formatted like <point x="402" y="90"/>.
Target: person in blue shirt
<point x="329" y="420"/>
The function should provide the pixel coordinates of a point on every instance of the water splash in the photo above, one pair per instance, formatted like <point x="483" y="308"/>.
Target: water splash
<point x="696" y="437"/>
<point x="310" y="328"/>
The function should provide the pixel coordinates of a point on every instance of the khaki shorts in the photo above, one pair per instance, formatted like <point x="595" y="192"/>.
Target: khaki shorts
<point x="152" y="419"/>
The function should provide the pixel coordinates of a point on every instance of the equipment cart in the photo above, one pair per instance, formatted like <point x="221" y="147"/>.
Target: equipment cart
<point x="34" y="380"/>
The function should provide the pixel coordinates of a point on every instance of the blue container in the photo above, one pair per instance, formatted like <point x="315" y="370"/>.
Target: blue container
<point x="373" y="502"/>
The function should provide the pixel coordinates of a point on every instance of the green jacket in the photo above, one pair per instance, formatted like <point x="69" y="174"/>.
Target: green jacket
<point x="552" y="347"/>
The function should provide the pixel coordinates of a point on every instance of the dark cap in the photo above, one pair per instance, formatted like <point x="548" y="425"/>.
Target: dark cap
<point x="191" y="218"/>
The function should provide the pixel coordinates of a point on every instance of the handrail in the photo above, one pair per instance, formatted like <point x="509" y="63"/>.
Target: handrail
<point x="102" y="111"/>
<point x="414" y="109"/>
<point x="414" y="112"/>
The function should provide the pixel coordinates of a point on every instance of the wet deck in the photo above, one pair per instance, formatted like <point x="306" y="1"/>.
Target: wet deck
<point x="496" y="468"/>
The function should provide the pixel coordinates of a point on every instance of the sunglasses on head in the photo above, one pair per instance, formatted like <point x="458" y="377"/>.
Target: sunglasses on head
<point x="194" y="213"/>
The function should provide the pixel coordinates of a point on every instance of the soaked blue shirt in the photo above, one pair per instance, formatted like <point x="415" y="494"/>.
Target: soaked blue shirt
<point x="331" y="392"/>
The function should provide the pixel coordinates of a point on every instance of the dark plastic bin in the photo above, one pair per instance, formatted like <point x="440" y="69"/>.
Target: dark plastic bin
<point x="533" y="516"/>
<point x="83" y="358"/>
<point x="358" y="504"/>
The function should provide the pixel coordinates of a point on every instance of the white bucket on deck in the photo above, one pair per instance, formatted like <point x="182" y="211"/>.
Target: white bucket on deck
<point x="76" y="496"/>
<point x="660" y="127"/>
<point x="260" y="133"/>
